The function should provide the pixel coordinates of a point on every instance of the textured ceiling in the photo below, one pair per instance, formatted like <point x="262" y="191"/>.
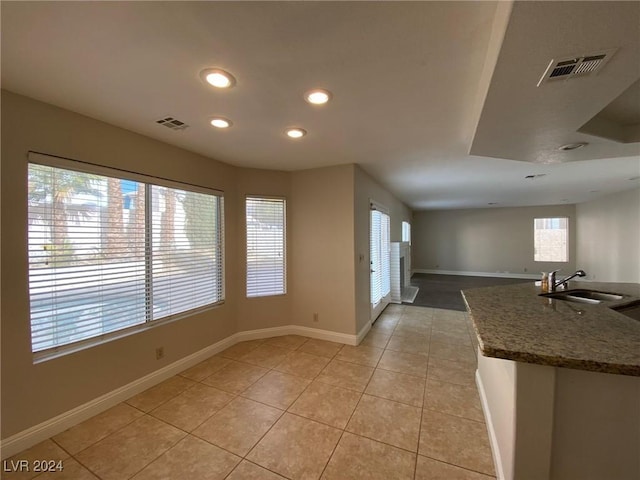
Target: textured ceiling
<point x="436" y="100"/>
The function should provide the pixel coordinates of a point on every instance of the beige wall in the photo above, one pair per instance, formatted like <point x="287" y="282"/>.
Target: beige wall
<point x="327" y="215"/>
<point x="32" y="393"/>
<point x="272" y="311"/>
<point x="330" y="245"/>
<point x="609" y="237"/>
<point x="366" y="190"/>
<point x="321" y="262"/>
<point x="487" y="240"/>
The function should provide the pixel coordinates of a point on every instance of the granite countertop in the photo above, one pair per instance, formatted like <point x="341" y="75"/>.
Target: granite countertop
<point x="515" y="323"/>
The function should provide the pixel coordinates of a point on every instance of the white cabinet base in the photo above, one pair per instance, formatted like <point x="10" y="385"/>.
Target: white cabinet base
<point x="559" y="423"/>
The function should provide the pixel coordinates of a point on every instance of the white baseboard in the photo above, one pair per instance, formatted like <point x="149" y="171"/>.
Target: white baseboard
<point x="527" y="276"/>
<point x="38" y="433"/>
<point x="263" y="333"/>
<point x="362" y="333"/>
<point x="493" y="439"/>
<point x="348" y="339"/>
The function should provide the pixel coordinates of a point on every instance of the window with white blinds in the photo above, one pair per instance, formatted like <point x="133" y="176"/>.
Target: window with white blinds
<point x="108" y="253"/>
<point x="266" y="259"/>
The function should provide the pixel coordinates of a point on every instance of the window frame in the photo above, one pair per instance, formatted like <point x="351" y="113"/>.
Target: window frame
<point x="37" y="158"/>
<point x="567" y="238"/>
<point x="406" y="232"/>
<point x="284" y="245"/>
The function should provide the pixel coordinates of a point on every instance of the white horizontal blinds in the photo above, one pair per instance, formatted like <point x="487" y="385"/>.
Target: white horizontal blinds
<point x="551" y="239"/>
<point x="86" y="255"/>
<point x="266" y="259"/>
<point x="186" y="258"/>
<point x="107" y="253"/>
<point x="376" y="257"/>
<point x="380" y="256"/>
<point x="385" y="248"/>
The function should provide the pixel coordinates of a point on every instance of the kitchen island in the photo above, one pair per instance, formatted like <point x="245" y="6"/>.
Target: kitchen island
<point x="559" y="382"/>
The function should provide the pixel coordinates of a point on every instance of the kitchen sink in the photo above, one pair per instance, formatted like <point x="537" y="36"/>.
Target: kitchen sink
<point x="607" y="297"/>
<point x="571" y="298"/>
<point x="631" y="310"/>
<point x="584" y="296"/>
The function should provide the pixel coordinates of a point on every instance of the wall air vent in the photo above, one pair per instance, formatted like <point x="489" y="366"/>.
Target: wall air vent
<point x="578" y="66"/>
<point x="172" y="123"/>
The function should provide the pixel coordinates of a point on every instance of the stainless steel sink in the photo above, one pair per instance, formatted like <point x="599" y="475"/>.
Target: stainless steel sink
<point x="584" y="296"/>
<point x="605" y="296"/>
<point x="631" y="310"/>
<point x="571" y="298"/>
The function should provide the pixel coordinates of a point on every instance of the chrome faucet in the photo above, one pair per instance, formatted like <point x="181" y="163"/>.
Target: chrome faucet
<point x="562" y="283"/>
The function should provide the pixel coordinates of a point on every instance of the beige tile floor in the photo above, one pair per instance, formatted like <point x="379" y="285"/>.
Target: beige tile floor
<point x="402" y="405"/>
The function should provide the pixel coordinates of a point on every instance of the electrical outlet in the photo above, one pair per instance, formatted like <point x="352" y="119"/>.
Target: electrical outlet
<point x="159" y="353"/>
<point x="315" y="317"/>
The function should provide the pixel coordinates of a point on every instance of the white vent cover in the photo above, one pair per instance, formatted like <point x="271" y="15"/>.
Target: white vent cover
<point x="567" y="68"/>
<point x="172" y="123"/>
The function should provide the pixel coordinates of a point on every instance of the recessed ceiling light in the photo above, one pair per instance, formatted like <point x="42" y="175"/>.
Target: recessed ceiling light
<point x="317" y="96"/>
<point x="218" y="78"/>
<point x="220" y="122"/>
<point x="572" y="146"/>
<point x="296" y="132"/>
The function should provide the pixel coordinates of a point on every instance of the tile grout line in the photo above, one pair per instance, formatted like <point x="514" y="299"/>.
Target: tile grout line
<point x="363" y="436"/>
<point x="286" y="410"/>
<point x="415" y="466"/>
<point x="343" y="430"/>
<point x="235" y="395"/>
<point x="283" y="411"/>
<point x="424" y="399"/>
<point x="161" y="454"/>
<point x="187" y="433"/>
<point x="458" y="466"/>
<point x="75" y="456"/>
<point x="257" y="465"/>
<point x="361" y="395"/>
<point x="88" y="469"/>
<point x="77" y="459"/>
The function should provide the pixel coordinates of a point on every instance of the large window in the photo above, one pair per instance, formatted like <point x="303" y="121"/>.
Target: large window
<point x="266" y="259"/>
<point x="551" y="239"/>
<point x="108" y="253"/>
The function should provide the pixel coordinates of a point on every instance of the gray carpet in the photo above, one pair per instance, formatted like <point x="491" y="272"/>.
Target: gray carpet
<point x="443" y="291"/>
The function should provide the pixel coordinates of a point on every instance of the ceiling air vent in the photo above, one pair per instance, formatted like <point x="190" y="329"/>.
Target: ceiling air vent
<point x="172" y="123"/>
<point x="576" y="66"/>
